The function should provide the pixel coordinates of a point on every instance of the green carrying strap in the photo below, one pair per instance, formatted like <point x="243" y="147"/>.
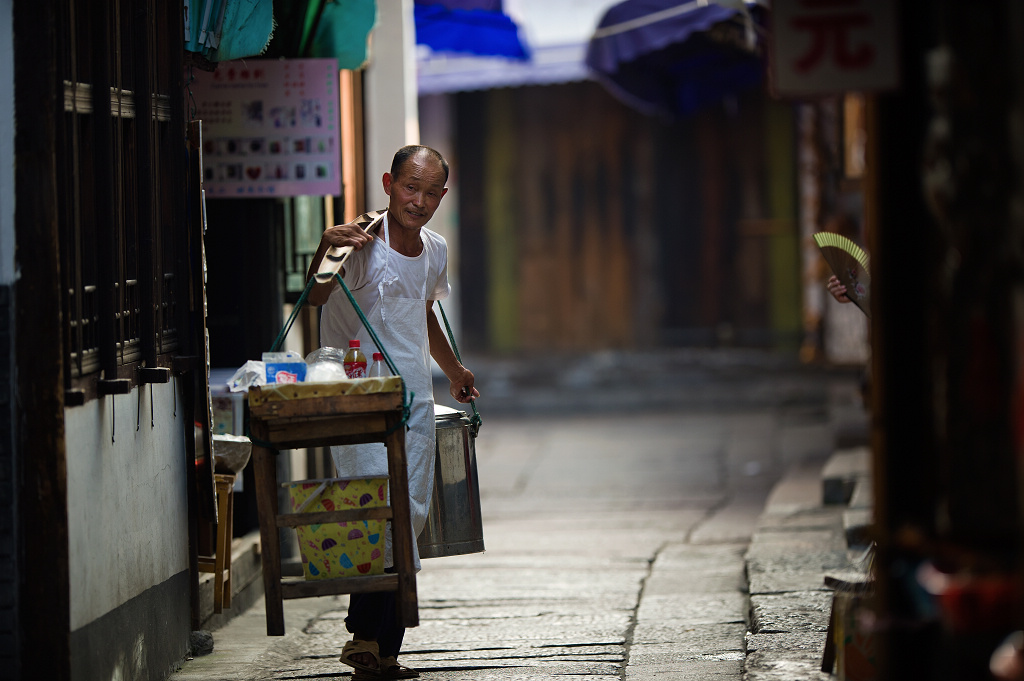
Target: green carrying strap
<point x="474" y="421"/>
<point x="362" y="317"/>
<point x="407" y="396"/>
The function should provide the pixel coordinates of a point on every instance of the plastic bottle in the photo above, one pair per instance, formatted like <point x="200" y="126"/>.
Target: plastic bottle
<point x="379" y="367"/>
<point x="355" y="361"/>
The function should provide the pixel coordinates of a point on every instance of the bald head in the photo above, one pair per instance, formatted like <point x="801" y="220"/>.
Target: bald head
<point x="403" y="155"/>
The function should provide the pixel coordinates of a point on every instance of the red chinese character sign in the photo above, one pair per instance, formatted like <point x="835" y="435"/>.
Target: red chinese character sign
<point x="270" y="128"/>
<point x="822" y="47"/>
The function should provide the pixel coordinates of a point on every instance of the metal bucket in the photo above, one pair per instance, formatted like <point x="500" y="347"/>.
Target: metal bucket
<point x="454" y="526"/>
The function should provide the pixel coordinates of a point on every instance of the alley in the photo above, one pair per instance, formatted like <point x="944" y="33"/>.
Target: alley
<point x="615" y="544"/>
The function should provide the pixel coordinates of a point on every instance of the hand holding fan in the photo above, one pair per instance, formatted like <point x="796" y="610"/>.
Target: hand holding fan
<point x="849" y="262"/>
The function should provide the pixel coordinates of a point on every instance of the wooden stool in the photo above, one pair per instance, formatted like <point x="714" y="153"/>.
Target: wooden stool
<point x="220" y="563"/>
<point x="297" y="415"/>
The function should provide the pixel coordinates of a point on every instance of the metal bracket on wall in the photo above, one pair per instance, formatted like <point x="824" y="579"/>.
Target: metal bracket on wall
<point x="184" y="363"/>
<point x="154" y="374"/>
<point x="114" y="386"/>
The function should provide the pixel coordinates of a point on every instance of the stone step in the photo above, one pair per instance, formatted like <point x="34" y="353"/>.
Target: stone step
<point x="841" y="473"/>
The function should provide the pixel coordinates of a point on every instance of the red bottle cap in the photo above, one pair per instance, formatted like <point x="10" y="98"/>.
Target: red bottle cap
<point x="353" y="344"/>
<point x="378" y="357"/>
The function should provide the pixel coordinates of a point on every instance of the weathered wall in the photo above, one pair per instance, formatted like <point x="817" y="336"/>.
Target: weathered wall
<point x="128" y="534"/>
<point x="585" y="225"/>
<point x="390" y="93"/>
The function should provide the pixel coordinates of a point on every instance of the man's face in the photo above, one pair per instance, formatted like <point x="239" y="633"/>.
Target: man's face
<point x="415" y="191"/>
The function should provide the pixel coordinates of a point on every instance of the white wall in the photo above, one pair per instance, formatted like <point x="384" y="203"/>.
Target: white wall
<point x="436" y="119"/>
<point x="127" y="500"/>
<point x="6" y="144"/>
<point x="392" y="120"/>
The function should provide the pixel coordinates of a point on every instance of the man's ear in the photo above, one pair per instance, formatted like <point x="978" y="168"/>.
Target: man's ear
<point x="386" y="181"/>
<point x="444" y="191"/>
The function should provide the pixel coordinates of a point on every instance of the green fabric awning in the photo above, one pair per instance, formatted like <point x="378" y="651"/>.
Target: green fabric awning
<point x="221" y="30"/>
<point x="339" y="30"/>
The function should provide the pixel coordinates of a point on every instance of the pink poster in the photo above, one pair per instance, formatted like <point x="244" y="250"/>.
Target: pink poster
<point x="270" y="128"/>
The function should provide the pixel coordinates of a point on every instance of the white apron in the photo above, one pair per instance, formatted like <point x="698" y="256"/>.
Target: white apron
<point x="401" y="325"/>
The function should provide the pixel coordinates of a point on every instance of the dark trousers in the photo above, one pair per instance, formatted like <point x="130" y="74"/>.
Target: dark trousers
<point x="372" y="617"/>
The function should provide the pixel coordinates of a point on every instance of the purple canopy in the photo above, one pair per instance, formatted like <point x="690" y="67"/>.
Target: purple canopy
<point x="669" y="58"/>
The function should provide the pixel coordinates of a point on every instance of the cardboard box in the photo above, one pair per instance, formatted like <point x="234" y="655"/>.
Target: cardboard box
<point x="349" y="549"/>
<point x="286" y="372"/>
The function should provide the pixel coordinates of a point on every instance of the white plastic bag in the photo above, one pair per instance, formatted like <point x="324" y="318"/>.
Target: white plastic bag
<point x="326" y="372"/>
<point x="249" y="374"/>
<point x="326" y="365"/>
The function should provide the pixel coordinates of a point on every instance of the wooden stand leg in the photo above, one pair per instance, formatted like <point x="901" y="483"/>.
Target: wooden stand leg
<point x="223" y="547"/>
<point x="401" y="529"/>
<point x="265" y="473"/>
<point x="320" y="420"/>
<point x="229" y="506"/>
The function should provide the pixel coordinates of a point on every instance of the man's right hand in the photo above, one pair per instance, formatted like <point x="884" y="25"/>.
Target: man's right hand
<point x="348" y="234"/>
<point x="338" y="236"/>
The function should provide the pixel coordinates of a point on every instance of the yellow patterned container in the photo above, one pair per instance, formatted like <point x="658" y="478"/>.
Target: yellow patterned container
<point x="347" y="549"/>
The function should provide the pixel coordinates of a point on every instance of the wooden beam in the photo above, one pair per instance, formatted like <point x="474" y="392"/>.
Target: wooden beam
<point x="106" y="222"/>
<point x="342" y="516"/>
<point x="353" y="165"/>
<point x="904" y="432"/>
<point x="265" y="471"/>
<point x="339" y="585"/>
<point x="503" y="258"/>
<point x="144" y="176"/>
<point x="43" y="617"/>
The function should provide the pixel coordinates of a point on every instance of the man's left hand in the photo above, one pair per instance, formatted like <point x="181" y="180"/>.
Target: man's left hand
<point x="462" y="389"/>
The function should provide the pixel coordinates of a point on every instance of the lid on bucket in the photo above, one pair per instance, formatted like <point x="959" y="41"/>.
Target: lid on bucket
<point x="445" y="414"/>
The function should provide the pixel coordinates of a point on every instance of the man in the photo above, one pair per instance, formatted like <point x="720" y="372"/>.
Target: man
<point x="398" y="270"/>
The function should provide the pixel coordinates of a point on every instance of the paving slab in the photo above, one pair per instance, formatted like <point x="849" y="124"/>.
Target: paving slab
<point x="684" y="584"/>
<point x="794" y="562"/>
<point x="784" y="657"/>
<point x="794" y="611"/>
<point x="711" y="667"/>
<point x="844" y="469"/>
<point x="694" y="608"/>
<point x="665" y="643"/>
<point x="825" y="519"/>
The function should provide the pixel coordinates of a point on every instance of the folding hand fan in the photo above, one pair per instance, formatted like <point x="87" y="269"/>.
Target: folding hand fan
<point x="849" y="262"/>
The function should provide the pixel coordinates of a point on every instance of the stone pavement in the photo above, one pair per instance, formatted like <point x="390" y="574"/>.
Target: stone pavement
<point x="706" y="564"/>
<point x="797" y="542"/>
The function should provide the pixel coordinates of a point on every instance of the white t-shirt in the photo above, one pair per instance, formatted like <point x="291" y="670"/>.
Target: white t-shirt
<point x="364" y="271"/>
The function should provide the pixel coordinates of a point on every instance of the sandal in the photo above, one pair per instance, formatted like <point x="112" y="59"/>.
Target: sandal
<point x="355" y="647"/>
<point x="391" y="669"/>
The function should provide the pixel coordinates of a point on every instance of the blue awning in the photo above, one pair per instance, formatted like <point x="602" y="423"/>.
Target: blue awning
<point x="468" y="26"/>
<point x="670" y="58"/>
